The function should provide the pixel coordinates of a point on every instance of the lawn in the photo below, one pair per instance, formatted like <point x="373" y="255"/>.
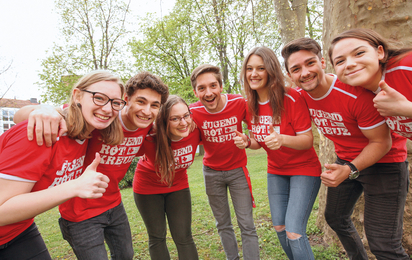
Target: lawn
<point x="203" y="226"/>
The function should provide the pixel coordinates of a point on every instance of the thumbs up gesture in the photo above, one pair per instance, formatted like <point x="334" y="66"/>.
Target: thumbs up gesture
<point x="390" y="102"/>
<point x="240" y="140"/>
<point x="273" y="141"/>
<point x="92" y="184"/>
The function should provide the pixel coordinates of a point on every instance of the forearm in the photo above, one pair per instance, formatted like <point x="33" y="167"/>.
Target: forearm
<point x="405" y="109"/>
<point x="298" y="142"/>
<point x="23" y="113"/>
<point x="254" y="145"/>
<point x="372" y="153"/>
<point x="28" y="205"/>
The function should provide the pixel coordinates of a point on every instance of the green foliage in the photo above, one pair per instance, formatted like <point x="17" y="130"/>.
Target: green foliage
<point x="93" y="33"/>
<point x="127" y="180"/>
<point x="209" y="31"/>
<point x="314" y="21"/>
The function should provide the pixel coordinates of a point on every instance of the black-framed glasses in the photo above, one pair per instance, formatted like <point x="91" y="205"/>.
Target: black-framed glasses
<point x="101" y="99"/>
<point x="178" y="119"/>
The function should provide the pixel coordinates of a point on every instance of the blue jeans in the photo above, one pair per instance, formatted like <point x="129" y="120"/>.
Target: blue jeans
<point x="87" y="237"/>
<point x="217" y="184"/>
<point x="177" y="207"/>
<point x="385" y="186"/>
<point x="28" y="245"/>
<point x="291" y="200"/>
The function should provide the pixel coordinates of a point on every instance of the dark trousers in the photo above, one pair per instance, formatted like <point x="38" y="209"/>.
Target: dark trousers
<point x="28" y="245"/>
<point x="177" y="207"/>
<point x="87" y="237"/>
<point x="385" y="186"/>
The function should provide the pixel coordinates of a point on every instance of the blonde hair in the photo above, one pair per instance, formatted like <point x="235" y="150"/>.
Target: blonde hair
<point x="77" y="125"/>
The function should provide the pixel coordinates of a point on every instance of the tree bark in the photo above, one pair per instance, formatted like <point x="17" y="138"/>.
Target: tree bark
<point x="291" y="18"/>
<point x="391" y="19"/>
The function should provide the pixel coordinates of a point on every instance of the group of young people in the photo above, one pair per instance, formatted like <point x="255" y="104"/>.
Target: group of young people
<point x="364" y="110"/>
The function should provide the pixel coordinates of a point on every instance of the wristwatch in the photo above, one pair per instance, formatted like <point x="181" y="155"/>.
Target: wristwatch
<point x="354" y="173"/>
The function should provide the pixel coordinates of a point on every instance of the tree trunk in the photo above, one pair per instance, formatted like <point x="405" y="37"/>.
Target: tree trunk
<point x="291" y="18"/>
<point x="391" y="19"/>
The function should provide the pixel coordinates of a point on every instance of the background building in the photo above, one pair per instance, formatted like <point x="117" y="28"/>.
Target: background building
<point x="8" y="108"/>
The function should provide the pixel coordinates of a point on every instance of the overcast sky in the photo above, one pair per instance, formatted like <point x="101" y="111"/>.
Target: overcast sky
<point x="28" y="28"/>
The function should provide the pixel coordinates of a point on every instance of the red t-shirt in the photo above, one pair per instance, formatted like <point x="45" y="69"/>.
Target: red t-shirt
<point x="294" y="120"/>
<point x="399" y="77"/>
<point x="217" y="131"/>
<point x="342" y="113"/>
<point x="115" y="161"/>
<point x="46" y="166"/>
<point x="147" y="181"/>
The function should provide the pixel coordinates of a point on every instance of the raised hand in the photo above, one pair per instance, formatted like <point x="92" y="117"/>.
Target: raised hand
<point x="273" y="141"/>
<point x="92" y="184"/>
<point x="240" y="140"/>
<point x="390" y="102"/>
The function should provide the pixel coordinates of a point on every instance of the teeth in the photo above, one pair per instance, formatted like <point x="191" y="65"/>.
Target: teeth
<point x="102" y="117"/>
<point x="306" y="80"/>
<point x="143" y="118"/>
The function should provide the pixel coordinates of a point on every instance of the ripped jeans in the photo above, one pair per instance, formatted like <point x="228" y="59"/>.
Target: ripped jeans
<point x="291" y="200"/>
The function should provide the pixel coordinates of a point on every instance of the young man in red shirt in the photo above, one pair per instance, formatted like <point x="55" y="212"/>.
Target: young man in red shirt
<point x="218" y="116"/>
<point x="369" y="160"/>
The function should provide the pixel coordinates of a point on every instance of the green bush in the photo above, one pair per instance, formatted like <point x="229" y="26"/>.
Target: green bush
<point x="127" y="181"/>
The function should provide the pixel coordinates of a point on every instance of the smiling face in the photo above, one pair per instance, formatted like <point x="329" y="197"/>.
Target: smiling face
<point x="208" y="91"/>
<point x="179" y="121"/>
<point x="141" y="108"/>
<point x="306" y="71"/>
<point x="98" y="117"/>
<point x="257" y="76"/>
<point x="356" y="63"/>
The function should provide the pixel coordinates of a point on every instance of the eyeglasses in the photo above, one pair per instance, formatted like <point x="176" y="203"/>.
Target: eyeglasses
<point x="101" y="99"/>
<point x="178" y="119"/>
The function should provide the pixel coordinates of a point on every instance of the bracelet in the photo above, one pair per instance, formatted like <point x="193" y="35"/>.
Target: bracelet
<point x="248" y="142"/>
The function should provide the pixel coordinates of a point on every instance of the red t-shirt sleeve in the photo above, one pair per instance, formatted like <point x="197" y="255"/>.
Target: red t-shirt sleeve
<point x="23" y="158"/>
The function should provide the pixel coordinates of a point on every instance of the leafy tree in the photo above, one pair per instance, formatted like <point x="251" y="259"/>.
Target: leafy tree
<point x="94" y="34"/>
<point x="211" y="31"/>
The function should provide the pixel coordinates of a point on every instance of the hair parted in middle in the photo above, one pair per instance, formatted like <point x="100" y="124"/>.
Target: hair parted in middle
<point x="306" y="44"/>
<point x="276" y="84"/>
<point x="165" y="162"/>
<point x="145" y="79"/>
<point x="77" y="125"/>
<point x="205" y="68"/>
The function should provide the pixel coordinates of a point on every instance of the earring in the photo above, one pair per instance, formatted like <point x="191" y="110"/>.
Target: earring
<point x="79" y="105"/>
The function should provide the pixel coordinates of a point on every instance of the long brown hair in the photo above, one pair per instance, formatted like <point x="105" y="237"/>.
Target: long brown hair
<point x="374" y="39"/>
<point x="276" y="84"/>
<point x="165" y="163"/>
<point x="77" y="125"/>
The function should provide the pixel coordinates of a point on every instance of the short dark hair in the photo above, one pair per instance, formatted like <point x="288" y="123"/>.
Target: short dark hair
<point x="296" y="45"/>
<point x="145" y="79"/>
<point x="205" y="68"/>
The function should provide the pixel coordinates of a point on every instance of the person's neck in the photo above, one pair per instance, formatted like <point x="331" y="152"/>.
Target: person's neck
<point x="323" y="87"/>
<point x="126" y="121"/>
<point x="263" y="95"/>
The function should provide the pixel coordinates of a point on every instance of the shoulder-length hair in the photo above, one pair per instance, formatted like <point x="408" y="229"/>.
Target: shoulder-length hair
<point x="77" y="125"/>
<point x="165" y="163"/>
<point x="391" y="50"/>
<point x="276" y="83"/>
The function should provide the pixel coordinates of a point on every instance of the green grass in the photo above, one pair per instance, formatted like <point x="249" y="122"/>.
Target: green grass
<point x="203" y="225"/>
